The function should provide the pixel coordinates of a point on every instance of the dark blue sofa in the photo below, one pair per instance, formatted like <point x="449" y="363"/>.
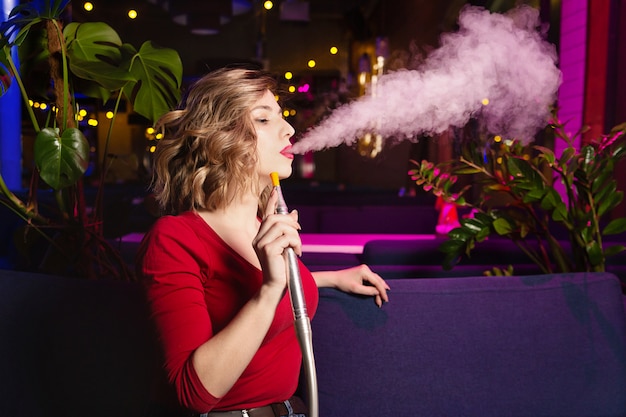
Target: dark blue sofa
<point x="551" y="345"/>
<point x="543" y="345"/>
<point x="75" y="347"/>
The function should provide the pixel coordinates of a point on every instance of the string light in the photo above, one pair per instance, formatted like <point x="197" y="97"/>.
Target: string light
<point x="334" y="50"/>
<point x="132" y="14"/>
<point x="485" y="101"/>
<point x="268" y="5"/>
<point x="288" y="75"/>
<point x="88" y="6"/>
<point x="311" y="63"/>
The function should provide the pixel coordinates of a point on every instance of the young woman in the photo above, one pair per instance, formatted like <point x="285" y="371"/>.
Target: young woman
<point x="213" y="264"/>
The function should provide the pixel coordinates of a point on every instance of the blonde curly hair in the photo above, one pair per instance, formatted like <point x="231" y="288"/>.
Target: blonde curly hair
<point x="208" y="154"/>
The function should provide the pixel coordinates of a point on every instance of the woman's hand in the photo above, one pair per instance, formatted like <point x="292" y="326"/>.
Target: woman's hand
<point x="276" y="233"/>
<point x="357" y="280"/>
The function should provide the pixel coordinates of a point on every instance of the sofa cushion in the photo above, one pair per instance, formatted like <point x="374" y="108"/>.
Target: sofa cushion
<point x="543" y="345"/>
<point x="74" y="347"/>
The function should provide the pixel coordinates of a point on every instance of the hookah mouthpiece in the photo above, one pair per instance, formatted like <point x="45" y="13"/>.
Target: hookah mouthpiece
<point x="281" y="208"/>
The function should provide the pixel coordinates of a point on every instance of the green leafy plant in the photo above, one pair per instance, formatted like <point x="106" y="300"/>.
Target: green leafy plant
<point x="91" y="60"/>
<point x="509" y="188"/>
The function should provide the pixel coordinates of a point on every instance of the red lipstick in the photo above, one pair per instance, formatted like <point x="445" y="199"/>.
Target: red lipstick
<point x="286" y="152"/>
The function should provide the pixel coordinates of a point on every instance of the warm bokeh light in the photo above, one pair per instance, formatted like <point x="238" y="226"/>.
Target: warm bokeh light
<point x="150" y="131"/>
<point x="334" y="50"/>
<point x="292" y="88"/>
<point x="311" y="63"/>
<point x="43" y="106"/>
<point x="82" y="112"/>
<point x="152" y="149"/>
<point x="485" y="101"/>
<point x="497" y="138"/>
<point x="159" y="136"/>
<point x="88" y="6"/>
<point x="288" y="75"/>
<point x="92" y="122"/>
<point x="268" y="5"/>
<point x="499" y="160"/>
<point x="36" y="105"/>
<point x="109" y="114"/>
<point x="132" y="14"/>
<point x="292" y="112"/>
<point x="286" y="113"/>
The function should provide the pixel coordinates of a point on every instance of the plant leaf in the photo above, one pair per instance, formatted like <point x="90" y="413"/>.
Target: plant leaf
<point x="550" y="199"/>
<point x="158" y="74"/>
<point x="595" y="253"/>
<point x="475" y="225"/>
<point x="61" y="160"/>
<point x="467" y="171"/>
<point x="559" y="213"/>
<point x="535" y="194"/>
<point x="502" y="226"/>
<point x="24" y="15"/>
<point x="615" y="226"/>
<point x="547" y="154"/>
<point x="94" y="52"/>
<point x="614" y="250"/>
<point x="5" y="72"/>
<point x="610" y="203"/>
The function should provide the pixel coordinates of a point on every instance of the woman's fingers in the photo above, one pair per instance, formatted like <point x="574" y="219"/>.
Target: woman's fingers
<point x="281" y="230"/>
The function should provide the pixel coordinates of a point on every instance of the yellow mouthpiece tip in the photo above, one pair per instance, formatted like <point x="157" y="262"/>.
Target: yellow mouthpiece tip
<point x="274" y="177"/>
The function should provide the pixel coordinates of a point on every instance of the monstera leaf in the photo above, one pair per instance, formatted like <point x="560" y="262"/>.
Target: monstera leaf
<point x="94" y="54"/>
<point x="25" y="15"/>
<point x="61" y="159"/>
<point x="157" y="74"/>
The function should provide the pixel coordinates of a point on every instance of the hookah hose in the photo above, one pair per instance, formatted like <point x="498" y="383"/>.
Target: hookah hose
<point x="298" y="303"/>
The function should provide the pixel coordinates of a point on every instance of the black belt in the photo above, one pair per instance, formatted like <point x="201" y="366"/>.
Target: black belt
<point x="293" y="407"/>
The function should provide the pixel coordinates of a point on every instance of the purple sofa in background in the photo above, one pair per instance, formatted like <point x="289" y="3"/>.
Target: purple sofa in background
<point x="545" y="345"/>
<point x="542" y="345"/>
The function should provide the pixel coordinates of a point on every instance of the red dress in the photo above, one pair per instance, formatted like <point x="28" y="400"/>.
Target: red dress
<point x="196" y="284"/>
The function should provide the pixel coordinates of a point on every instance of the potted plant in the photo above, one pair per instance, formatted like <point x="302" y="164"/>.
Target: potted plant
<point x="514" y="197"/>
<point x="79" y="58"/>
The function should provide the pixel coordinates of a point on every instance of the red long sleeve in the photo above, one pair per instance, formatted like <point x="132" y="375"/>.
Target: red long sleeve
<point x="195" y="285"/>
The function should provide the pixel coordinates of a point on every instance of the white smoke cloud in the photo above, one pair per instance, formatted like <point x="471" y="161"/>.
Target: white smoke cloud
<point x="499" y="57"/>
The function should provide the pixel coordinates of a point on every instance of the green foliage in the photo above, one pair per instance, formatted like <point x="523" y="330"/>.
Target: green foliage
<point x="82" y="58"/>
<point x="514" y="197"/>
<point x="61" y="159"/>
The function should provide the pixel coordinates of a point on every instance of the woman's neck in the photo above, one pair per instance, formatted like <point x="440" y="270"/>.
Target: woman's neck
<point x="239" y="214"/>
